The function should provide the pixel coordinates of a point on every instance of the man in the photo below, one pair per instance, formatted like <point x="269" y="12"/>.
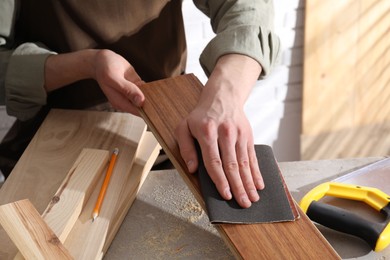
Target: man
<point x="78" y="54"/>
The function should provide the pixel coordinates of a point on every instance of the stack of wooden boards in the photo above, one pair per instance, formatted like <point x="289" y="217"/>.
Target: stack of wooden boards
<point x="61" y="172"/>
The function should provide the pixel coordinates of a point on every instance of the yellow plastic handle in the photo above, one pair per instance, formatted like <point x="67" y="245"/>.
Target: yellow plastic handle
<point x="376" y="198"/>
<point x="371" y="196"/>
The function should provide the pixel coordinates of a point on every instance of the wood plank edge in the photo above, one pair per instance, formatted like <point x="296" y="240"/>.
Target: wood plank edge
<point x="128" y="199"/>
<point x="24" y="225"/>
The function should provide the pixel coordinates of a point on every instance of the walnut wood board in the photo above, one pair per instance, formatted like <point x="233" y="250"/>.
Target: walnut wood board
<point x="30" y="232"/>
<point x="346" y="79"/>
<point x="55" y="147"/>
<point x="169" y="101"/>
<point x="90" y="240"/>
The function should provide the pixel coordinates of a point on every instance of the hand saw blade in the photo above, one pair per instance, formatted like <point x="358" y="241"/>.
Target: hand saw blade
<point x="375" y="175"/>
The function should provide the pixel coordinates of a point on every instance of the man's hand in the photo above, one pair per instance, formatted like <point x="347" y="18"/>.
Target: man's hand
<point x="119" y="81"/>
<point x="224" y="134"/>
<point x="115" y="76"/>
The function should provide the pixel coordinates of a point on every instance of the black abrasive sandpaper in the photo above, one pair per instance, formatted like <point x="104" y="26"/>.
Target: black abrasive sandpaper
<point x="275" y="204"/>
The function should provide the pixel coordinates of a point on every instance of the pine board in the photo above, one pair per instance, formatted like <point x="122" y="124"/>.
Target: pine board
<point x="30" y="232"/>
<point x="146" y="155"/>
<point x="55" y="147"/>
<point x="68" y="202"/>
<point x="90" y="240"/>
<point x="167" y="102"/>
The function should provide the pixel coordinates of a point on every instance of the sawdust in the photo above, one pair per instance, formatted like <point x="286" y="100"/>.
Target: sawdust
<point x="180" y="202"/>
<point x="194" y="210"/>
<point x="171" y="239"/>
<point x="171" y="219"/>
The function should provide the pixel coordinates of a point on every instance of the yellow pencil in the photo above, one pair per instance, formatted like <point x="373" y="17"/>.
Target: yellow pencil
<point x="103" y="189"/>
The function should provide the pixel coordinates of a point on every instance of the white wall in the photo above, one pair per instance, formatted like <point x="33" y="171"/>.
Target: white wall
<point x="274" y="107"/>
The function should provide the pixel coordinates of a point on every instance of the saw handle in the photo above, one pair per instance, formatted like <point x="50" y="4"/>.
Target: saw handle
<point x="376" y="234"/>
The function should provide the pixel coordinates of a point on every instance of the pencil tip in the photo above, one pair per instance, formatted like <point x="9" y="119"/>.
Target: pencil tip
<point x="116" y="151"/>
<point x="94" y="216"/>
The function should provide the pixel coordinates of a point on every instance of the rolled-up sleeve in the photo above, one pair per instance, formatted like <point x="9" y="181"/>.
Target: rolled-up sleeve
<point x="24" y="81"/>
<point x="21" y="68"/>
<point x="242" y="27"/>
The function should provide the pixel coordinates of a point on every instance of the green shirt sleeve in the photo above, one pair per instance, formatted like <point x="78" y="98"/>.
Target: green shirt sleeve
<point x="24" y="81"/>
<point x="21" y="69"/>
<point x="242" y="27"/>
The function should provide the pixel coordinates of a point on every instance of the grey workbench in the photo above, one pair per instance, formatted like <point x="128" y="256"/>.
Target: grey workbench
<point x="166" y="222"/>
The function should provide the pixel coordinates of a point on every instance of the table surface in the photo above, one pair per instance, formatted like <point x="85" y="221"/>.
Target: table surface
<point x="166" y="221"/>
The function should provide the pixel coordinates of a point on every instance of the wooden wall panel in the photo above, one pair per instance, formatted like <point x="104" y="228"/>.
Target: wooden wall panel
<point x="346" y="78"/>
<point x="347" y="64"/>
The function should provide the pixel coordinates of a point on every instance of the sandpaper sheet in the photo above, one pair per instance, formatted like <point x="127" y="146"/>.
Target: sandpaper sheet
<point x="275" y="204"/>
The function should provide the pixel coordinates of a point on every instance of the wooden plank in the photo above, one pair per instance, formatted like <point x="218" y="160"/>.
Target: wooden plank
<point x="346" y="73"/>
<point x="68" y="202"/>
<point x="30" y="233"/>
<point x="167" y="102"/>
<point x="55" y="147"/>
<point x="88" y="240"/>
<point x="146" y="156"/>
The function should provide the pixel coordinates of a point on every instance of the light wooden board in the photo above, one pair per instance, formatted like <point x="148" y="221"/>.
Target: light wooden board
<point x="55" y="147"/>
<point x="346" y="77"/>
<point x="30" y="232"/>
<point x="167" y="102"/>
<point x="74" y="192"/>
<point x="88" y="240"/>
<point x="146" y="155"/>
<point x="68" y="202"/>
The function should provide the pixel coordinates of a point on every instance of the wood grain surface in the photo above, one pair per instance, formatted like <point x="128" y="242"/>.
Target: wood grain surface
<point x="346" y="108"/>
<point x="66" y="205"/>
<point x="146" y="155"/>
<point x="34" y="238"/>
<point x="90" y="240"/>
<point x="169" y="101"/>
<point x="55" y="147"/>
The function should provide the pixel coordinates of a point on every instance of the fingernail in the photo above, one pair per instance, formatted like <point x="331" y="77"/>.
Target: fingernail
<point x="254" y="195"/>
<point x="137" y="100"/>
<point x="260" y="185"/>
<point x="228" y="194"/>
<point x="190" y="165"/>
<point x="245" y="201"/>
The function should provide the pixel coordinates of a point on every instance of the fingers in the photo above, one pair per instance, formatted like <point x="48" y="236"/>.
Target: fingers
<point x="237" y="166"/>
<point x="228" y="156"/>
<point x="132" y="92"/>
<point x="186" y="146"/>
<point x="256" y="174"/>
<point x="121" y="102"/>
<point x="119" y="81"/>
